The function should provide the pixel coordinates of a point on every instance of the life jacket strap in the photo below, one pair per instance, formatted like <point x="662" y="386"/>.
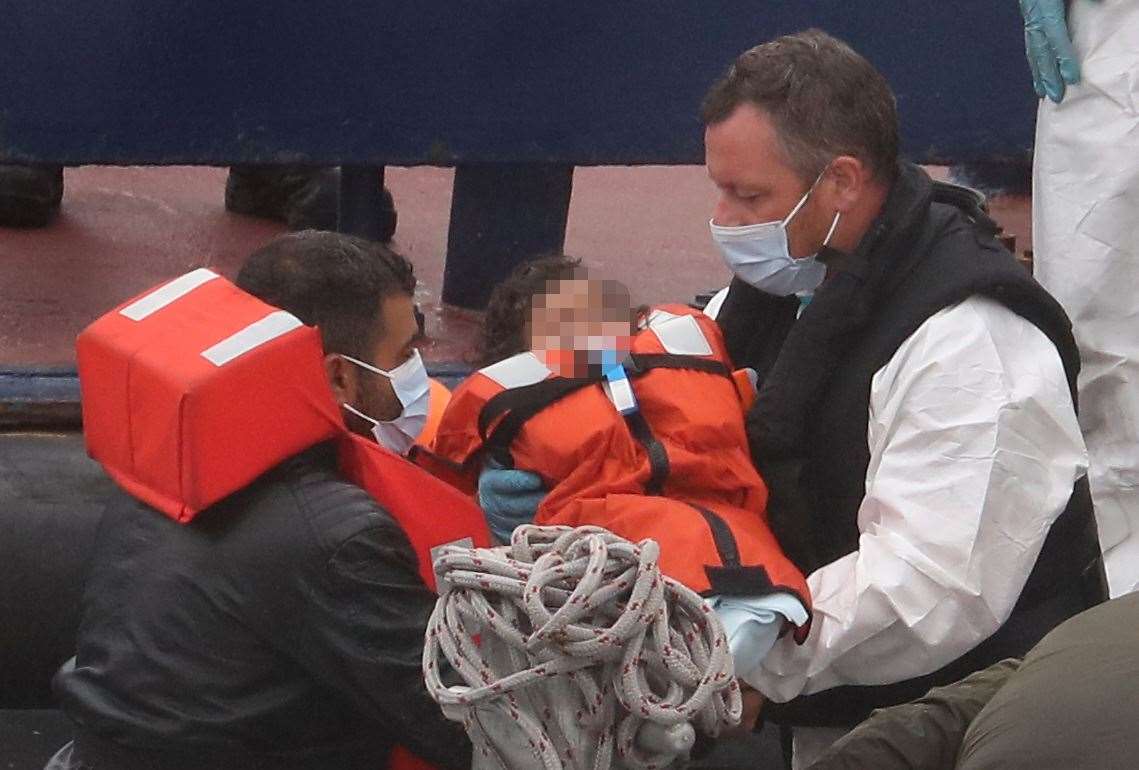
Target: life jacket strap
<point x="516" y="406"/>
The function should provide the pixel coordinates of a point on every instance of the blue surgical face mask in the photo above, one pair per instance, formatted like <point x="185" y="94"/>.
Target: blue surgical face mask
<point x="413" y="389"/>
<point x="760" y="255"/>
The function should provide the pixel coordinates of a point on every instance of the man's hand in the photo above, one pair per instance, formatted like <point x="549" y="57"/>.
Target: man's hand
<point x="1049" y="47"/>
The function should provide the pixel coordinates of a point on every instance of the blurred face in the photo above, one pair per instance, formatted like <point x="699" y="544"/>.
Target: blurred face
<point x="579" y="326"/>
<point x="747" y="163"/>
<point x="396" y="335"/>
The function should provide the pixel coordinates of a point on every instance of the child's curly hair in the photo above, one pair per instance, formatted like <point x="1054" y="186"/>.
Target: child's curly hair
<point x="508" y="313"/>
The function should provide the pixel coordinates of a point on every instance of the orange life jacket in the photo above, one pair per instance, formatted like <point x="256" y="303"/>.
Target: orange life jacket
<point x="432" y="513"/>
<point x="185" y="391"/>
<point x="194" y="389"/>
<point x="677" y="470"/>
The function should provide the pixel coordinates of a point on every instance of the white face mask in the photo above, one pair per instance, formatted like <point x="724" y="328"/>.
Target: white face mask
<point x="412" y="388"/>
<point x="760" y="255"/>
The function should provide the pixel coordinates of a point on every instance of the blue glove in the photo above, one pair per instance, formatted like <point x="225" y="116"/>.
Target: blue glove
<point x="509" y="498"/>
<point x="1049" y="47"/>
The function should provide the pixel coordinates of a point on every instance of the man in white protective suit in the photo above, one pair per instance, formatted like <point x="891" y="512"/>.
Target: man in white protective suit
<point x="915" y="420"/>
<point x="1085" y="232"/>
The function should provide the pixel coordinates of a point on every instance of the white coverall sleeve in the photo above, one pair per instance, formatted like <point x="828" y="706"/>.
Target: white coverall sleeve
<point x="974" y="449"/>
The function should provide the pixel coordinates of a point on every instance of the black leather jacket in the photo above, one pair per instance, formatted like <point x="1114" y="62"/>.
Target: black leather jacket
<point x="283" y="627"/>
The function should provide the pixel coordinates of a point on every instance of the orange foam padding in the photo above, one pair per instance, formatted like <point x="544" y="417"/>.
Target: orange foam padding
<point x="439" y="398"/>
<point x="181" y="432"/>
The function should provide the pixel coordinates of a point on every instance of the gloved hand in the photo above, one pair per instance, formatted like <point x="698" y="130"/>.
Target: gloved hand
<point x="1049" y="47"/>
<point x="509" y="498"/>
<point x="753" y="624"/>
<point x="751" y="628"/>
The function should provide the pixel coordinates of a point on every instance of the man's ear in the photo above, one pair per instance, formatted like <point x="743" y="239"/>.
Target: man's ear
<point x="341" y="378"/>
<point x="847" y="179"/>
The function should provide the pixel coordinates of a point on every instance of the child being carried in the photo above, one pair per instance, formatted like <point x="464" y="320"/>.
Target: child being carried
<point x="634" y="421"/>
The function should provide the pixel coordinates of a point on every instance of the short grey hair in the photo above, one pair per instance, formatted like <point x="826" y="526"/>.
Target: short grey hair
<point x="824" y="98"/>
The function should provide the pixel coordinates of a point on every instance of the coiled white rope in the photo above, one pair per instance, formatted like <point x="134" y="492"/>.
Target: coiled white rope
<point x="572" y="646"/>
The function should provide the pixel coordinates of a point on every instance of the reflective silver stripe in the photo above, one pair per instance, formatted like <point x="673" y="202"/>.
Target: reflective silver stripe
<point x="257" y="333"/>
<point x="517" y="371"/>
<point x="620" y="394"/>
<point x="160" y="298"/>
<point x="680" y="335"/>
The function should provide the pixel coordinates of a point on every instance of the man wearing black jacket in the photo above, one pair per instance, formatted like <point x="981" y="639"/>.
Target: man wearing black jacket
<point x="916" y="416"/>
<point x="283" y="627"/>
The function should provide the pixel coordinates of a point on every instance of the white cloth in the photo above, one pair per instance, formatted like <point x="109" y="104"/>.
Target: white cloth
<point x="753" y="624"/>
<point x="974" y="449"/>
<point x="1086" y="252"/>
<point x="712" y="309"/>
